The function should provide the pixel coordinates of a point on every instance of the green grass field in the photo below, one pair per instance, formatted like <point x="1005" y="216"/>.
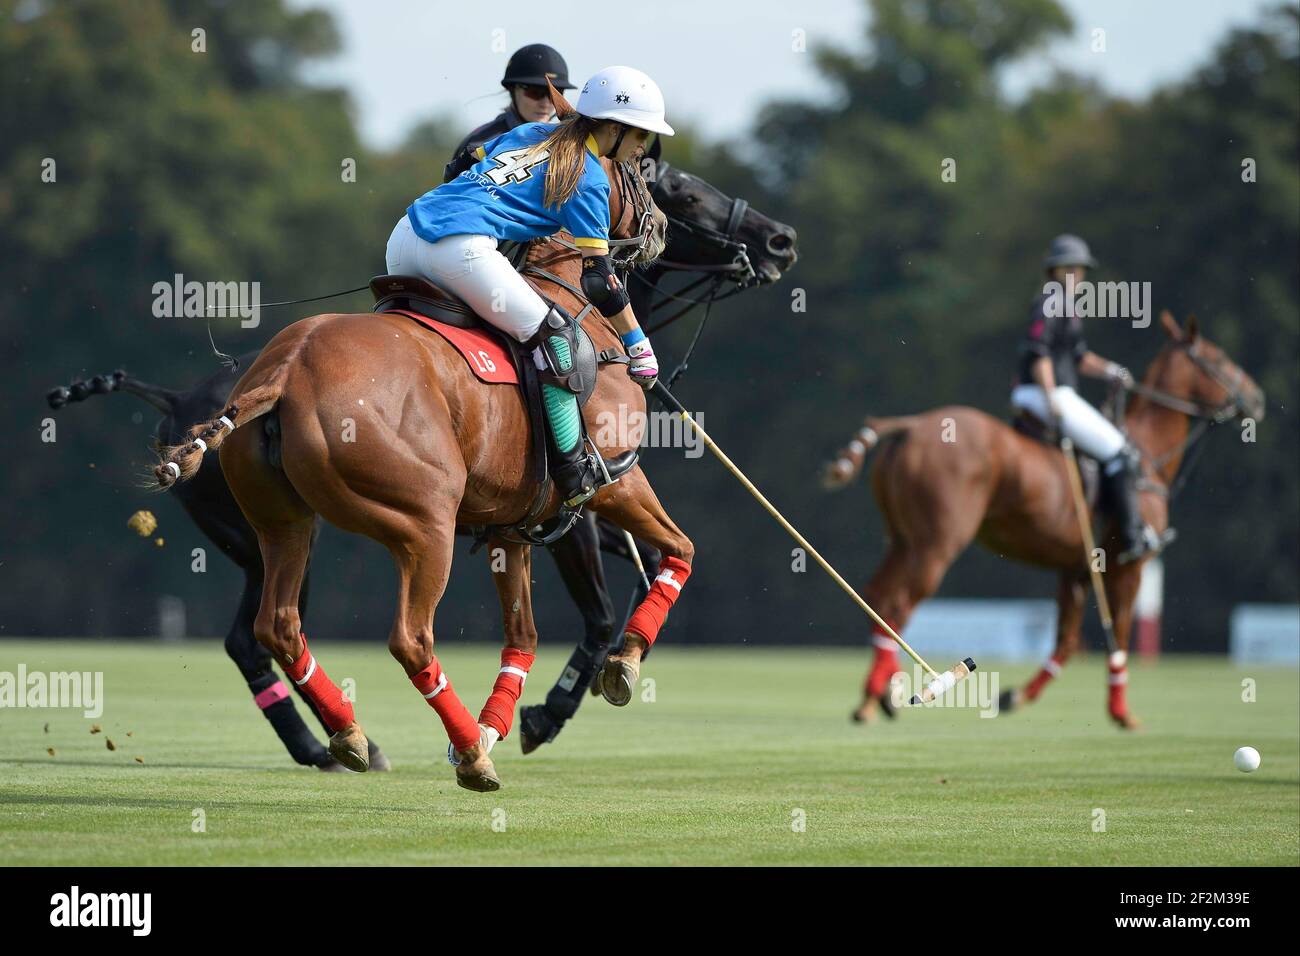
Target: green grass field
<point x="737" y="747"/>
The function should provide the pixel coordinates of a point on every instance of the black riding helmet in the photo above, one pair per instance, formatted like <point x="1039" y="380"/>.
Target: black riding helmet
<point x="534" y="64"/>
<point x="1068" y="250"/>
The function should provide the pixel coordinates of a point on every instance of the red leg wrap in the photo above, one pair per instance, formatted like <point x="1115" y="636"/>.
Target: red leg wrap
<point x="335" y="709"/>
<point x="1118" y="689"/>
<point x="884" y="665"/>
<point x="435" y="687"/>
<point x="1041" y="679"/>
<point x="499" y="711"/>
<point x="649" y="616"/>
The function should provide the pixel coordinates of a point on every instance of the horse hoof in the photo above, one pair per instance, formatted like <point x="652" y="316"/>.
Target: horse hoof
<point x="330" y="765"/>
<point x="617" y="679"/>
<point x="476" y="772"/>
<point x="593" y="686"/>
<point x="1008" y="701"/>
<point x="350" y="748"/>
<point x="1126" y="721"/>
<point x="379" y="762"/>
<point x="536" y="727"/>
<point x="888" y="707"/>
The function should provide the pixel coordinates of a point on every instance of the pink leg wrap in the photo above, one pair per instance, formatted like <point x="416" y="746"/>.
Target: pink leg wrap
<point x="272" y="695"/>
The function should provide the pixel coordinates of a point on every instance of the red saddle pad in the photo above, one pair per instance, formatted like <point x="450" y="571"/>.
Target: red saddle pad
<point x="482" y="351"/>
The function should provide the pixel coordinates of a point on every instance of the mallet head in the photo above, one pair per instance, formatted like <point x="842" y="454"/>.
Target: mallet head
<point x="943" y="683"/>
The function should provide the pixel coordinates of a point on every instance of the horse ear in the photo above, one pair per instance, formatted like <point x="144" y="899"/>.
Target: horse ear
<point x="1171" y="325"/>
<point x="561" y="106"/>
<point x="1192" y="330"/>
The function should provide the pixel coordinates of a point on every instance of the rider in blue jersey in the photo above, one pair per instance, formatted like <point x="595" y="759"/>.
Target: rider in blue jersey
<point x="530" y="182"/>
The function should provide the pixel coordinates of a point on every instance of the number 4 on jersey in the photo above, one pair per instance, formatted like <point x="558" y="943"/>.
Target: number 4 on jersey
<point x="511" y="167"/>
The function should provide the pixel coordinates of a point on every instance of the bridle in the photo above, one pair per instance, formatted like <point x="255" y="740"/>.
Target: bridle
<point x="623" y="252"/>
<point x="1204" y="416"/>
<point x="739" y="271"/>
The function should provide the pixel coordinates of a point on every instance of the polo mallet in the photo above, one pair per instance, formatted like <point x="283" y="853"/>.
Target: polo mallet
<point x="1089" y="543"/>
<point x="637" y="596"/>
<point x="939" y="683"/>
<point x="636" y="559"/>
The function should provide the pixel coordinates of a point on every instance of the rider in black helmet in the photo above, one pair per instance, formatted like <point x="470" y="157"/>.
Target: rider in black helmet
<point x="525" y="80"/>
<point x="1053" y="354"/>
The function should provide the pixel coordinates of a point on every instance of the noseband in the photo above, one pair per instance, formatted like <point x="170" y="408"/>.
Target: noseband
<point x="739" y="270"/>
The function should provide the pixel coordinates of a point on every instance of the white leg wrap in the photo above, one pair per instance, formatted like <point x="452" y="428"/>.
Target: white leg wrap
<point x="442" y="685"/>
<point x="311" y="669"/>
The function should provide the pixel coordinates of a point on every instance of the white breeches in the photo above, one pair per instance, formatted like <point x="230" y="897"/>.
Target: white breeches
<point x="1091" y="433"/>
<point x="470" y="267"/>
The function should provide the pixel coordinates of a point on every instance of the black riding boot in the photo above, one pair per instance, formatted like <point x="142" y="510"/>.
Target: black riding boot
<point x="577" y="473"/>
<point x="1120" y="476"/>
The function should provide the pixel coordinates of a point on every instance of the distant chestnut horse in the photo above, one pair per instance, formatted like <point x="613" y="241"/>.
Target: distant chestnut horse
<point x="431" y="446"/>
<point x="990" y="483"/>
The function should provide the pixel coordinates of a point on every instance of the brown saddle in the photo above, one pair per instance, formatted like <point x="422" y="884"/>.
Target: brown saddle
<point x="1043" y="433"/>
<point x="416" y="294"/>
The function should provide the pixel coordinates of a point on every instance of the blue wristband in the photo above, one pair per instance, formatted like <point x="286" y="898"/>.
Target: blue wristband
<point x="633" y="337"/>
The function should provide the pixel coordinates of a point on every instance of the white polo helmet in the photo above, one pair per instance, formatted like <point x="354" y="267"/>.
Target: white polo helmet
<point x="626" y="95"/>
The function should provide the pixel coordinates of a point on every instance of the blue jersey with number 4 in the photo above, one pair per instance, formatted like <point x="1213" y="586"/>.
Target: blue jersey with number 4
<point x="502" y="196"/>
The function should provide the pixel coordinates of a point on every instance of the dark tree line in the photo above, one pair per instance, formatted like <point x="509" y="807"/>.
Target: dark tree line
<point x="911" y="291"/>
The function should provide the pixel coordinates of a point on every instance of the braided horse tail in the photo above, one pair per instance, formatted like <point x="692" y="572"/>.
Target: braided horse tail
<point x="847" y="464"/>
<point x="182" y="462"/>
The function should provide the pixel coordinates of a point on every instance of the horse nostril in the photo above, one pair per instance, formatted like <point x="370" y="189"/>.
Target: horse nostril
<point x="781" y="242"/>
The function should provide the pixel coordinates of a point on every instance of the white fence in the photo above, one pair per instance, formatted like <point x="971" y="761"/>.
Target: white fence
<point x="1265" y="634"/>
<point x="995" y="630"/>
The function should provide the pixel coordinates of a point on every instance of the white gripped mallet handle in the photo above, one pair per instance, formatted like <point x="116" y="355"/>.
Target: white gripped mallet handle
<point x="943" y="683"/>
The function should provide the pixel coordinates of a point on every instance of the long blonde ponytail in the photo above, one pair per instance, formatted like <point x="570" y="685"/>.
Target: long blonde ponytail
<point x="567" y="145"/>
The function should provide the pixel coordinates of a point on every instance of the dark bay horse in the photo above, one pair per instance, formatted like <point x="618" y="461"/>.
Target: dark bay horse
<point x="951" y="475"/>
<point x="439" y="449"/>
<point x="709" y="233"/>
<point x="727" y="247"/>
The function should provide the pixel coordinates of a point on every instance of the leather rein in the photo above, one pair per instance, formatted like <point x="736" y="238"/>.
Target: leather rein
<point x="739" y="271"/>
<point x="1204" y="417"/>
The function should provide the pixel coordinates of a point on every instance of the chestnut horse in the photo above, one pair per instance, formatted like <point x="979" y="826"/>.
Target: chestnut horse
<point x="429" y="447"/>
<point x="990" y="483"/>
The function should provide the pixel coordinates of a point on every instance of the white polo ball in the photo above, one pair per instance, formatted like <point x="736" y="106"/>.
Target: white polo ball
<point x="1246" y="759"/>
